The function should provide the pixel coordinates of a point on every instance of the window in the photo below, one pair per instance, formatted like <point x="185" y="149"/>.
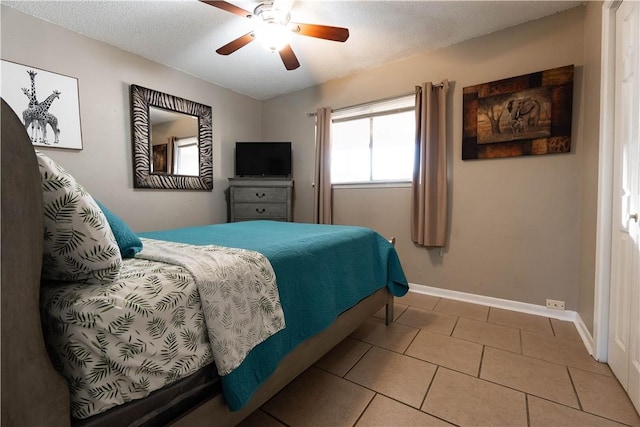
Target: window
<point x="186" y="158"/>
<point x="373" y="142"/>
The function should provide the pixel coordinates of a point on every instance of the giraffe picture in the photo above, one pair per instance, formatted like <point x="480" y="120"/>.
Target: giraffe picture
<point x="47" y="104"/>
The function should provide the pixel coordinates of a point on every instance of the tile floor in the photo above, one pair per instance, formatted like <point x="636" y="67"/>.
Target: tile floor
<point x="444" y="362"/>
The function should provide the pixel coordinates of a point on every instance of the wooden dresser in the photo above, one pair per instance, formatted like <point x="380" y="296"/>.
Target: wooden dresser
<point x="260" y="198"/>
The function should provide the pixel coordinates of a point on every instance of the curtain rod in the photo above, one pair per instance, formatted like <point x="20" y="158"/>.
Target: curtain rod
<point x="334" y="110"/>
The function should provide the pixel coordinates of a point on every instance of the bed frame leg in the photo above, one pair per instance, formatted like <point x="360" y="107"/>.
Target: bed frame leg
<point x="389" y="310"/>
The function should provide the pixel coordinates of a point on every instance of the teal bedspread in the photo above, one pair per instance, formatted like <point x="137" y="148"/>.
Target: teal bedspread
<point x="321" y="271"/>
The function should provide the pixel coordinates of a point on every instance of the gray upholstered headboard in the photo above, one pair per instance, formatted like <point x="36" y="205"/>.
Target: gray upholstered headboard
<point x="33" y="394"/>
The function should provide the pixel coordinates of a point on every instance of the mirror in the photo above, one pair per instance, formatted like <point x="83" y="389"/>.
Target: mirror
<point x="172" y="141"/>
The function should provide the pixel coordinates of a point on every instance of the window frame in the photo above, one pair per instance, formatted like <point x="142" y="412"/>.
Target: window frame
<point x="180" y="143"/>
<point x="386" y="107"/>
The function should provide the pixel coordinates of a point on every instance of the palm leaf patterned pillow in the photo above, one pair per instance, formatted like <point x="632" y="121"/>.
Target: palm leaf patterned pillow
<point x="78" y="242"/>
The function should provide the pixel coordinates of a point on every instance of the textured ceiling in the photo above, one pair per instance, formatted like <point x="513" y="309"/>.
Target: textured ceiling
<point x="185" y="34"/>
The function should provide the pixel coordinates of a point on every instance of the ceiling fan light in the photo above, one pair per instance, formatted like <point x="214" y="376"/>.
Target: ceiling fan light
<point x="272" y="35"/>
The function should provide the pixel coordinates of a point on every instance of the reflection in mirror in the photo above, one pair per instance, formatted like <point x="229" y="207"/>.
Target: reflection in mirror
<point x="172" y="146"/>
<point x="174" y="142"/>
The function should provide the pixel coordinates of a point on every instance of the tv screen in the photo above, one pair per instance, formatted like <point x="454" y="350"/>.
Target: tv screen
<point x="263" y="159"/>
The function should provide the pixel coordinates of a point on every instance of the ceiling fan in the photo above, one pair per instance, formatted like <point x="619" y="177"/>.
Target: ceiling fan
<point x="273" y="27"/>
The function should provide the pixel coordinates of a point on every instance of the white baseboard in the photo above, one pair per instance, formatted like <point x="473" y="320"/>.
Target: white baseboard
<point x="587" y="338"/>
<point x="522" y="307"/>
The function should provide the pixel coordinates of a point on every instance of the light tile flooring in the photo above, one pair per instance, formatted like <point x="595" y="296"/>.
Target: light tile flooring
<point x="445" y="362"/>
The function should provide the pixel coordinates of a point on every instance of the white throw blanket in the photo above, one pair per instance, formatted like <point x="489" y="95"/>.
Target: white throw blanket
<point x="238" y="293"/>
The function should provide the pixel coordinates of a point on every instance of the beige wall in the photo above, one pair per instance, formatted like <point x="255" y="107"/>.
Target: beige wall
<point x="104" y="166"/>
<point x="515" y="224"/>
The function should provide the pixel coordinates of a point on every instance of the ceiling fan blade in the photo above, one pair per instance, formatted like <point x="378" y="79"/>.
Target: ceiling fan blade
<point x="228" y="7"/>
<point x="326" y="32"/>
<point x="236" y="44"/>
<point x="289" y="58"/>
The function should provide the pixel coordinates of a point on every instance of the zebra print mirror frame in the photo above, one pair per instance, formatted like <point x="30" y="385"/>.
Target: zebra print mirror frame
<point x="143" y="98"/>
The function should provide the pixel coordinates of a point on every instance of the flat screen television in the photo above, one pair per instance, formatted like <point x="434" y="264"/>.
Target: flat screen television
<point x="269" y="159"/>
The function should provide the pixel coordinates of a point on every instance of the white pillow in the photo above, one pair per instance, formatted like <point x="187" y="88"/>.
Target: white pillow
<point x="78" y="242"/>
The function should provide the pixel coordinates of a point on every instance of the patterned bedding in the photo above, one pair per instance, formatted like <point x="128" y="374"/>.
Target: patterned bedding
<point x="117" y="342"/>
<point x="175" y="308"/>
<point x="322" y="271"/>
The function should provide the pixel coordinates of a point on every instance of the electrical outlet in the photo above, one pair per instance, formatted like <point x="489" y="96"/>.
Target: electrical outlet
<point x="555" y="304"/>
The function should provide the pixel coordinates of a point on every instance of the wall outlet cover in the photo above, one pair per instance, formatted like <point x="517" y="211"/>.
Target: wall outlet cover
<point x="555" y="304"/>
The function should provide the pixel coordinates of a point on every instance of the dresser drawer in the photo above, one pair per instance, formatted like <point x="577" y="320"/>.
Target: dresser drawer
<point x="260" y="210"/>
<point x="259" y="194"/>
<point x="260" y="198"/>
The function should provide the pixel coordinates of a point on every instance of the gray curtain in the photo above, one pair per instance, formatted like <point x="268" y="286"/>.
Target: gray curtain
<point x="322" y="178"/>
<point x="429" y="184"/>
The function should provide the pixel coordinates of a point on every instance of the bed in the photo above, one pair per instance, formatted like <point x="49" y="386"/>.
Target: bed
<point x="34" y="393"/>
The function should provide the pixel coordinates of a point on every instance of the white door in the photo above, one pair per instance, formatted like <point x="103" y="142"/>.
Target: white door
<point x="624" y="322"/>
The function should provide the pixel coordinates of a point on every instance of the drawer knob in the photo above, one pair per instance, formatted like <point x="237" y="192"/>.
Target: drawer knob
<point x="261" y="211"/>
<point x="260" y="195"/>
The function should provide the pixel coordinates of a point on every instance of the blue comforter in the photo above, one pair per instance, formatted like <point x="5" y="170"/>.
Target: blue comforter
<point x="321" y="271"/>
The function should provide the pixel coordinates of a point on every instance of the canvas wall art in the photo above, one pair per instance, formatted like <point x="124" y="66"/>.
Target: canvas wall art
<point x="47" y="104"/>
<point x="160" y="158"/>
<point x="518" y="116"/>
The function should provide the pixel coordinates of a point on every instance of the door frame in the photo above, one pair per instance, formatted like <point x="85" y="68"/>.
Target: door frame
<point x="605" y="183"/>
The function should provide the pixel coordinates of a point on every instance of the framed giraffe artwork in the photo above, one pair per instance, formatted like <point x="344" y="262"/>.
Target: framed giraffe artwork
<point x="47" y="104"/>
<point x="518" y="116"/>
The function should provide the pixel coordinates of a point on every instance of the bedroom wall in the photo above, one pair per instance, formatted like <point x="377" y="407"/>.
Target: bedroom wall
<point x="515" y="224"/>
<point x="104" y="166"/>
